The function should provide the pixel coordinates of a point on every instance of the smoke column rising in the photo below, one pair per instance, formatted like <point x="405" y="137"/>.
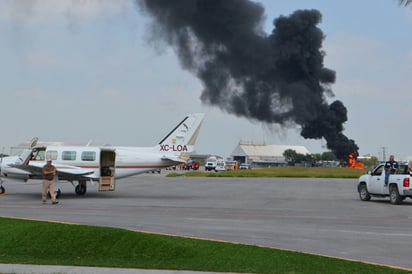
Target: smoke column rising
<point x="273" y="78"/>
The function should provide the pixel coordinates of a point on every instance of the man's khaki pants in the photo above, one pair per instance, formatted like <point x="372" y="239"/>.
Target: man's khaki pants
<point x="48" y="185"/>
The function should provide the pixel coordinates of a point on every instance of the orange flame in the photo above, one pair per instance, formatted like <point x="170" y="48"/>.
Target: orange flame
<point x="353" y="163"/>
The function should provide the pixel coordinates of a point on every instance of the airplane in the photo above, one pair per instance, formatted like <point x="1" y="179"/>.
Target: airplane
<point x="102" y="164"/>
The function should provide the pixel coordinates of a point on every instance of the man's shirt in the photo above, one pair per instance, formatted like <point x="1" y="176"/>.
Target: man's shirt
<point x="46" y="170"/>
<point x="392" y="166"/>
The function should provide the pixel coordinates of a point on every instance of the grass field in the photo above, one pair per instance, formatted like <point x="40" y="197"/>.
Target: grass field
<point x="297" y="172"/>
<point x="35" y="242"/>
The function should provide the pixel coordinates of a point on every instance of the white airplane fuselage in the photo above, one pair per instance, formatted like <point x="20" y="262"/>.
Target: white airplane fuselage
<point x="104" y="164"/>
<point x="123" y="161"/>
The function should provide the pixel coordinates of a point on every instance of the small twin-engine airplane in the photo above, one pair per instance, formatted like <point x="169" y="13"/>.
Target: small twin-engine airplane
<point x="103" y="164"/>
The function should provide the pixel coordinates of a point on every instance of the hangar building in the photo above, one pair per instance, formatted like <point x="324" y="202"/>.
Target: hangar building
<point x="264" y="155"/>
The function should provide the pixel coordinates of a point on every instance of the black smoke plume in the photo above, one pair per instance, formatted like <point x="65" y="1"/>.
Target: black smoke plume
<point x="274" y="78"/>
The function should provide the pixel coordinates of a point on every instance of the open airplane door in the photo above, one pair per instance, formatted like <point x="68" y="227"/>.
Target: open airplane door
<point x="107" y="170"/>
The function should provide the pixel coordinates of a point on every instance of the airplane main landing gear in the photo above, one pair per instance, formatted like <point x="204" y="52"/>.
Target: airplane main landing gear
<point x="81" y="188"/>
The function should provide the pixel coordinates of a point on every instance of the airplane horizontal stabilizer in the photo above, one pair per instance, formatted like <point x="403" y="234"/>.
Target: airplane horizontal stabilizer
<point x="174" y="159"/>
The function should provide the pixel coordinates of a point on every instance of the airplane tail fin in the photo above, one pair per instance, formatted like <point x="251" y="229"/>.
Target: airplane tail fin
<point x="179" y="143"/>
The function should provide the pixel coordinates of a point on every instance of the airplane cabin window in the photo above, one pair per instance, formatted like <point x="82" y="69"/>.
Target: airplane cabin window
<point x="88" y="155"/>
<point x="69" y="155"/>
<point x="51" y="154"/>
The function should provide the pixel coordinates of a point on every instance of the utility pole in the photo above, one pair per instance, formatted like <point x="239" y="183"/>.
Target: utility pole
<point x="384" y="153"/>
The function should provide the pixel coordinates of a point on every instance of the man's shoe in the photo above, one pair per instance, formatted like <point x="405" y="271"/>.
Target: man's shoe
<point x="55" y="202"/>
<point x="43" y="201"/>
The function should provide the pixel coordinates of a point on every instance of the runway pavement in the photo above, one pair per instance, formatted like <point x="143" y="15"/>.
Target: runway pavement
<point x="321" y="216"/>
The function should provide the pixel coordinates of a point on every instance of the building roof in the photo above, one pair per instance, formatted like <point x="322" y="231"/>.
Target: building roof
<point x="263" y="150"/>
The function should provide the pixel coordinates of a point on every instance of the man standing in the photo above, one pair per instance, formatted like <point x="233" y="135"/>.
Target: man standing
<point x="391" y="167"/>
<point x="49" y="171"/>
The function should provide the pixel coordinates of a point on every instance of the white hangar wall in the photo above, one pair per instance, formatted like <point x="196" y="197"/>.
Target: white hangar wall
<point x="262" y="154"/>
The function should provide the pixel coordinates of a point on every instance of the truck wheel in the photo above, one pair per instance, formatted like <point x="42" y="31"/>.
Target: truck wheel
<point x="363" y="193"/>
<point x="394" y="196"/>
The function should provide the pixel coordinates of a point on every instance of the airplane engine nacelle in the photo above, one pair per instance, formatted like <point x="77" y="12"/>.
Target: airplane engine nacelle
<point x="14" y="173"/>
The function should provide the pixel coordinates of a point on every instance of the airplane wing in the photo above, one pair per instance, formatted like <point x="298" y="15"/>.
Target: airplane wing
<point x="74" y="174"/>
<point x="64" y="172"/>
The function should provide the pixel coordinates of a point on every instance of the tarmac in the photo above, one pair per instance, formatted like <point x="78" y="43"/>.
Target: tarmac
<point x="310" y="215"/>
<point x="49" y="269"/>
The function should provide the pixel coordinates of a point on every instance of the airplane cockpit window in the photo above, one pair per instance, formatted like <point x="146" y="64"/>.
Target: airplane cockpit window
<point x="69" y="155"/>
<point x="38" y="154"/>
<point x="88" y="155"/>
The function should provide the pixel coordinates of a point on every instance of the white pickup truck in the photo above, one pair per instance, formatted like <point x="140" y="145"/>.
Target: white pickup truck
<point x="373" y="184"/>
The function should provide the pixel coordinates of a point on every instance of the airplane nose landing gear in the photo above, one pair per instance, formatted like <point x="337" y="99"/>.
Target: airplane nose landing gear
<point x="2" y="189"/>
<point x="57" y="193"/>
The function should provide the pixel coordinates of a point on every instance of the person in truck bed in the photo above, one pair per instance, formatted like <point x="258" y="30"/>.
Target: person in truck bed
<point x="410" y="168"/>
<point x="391" y="167"/>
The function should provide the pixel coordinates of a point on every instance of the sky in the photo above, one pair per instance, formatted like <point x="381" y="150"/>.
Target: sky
<point x="88" y="70"/>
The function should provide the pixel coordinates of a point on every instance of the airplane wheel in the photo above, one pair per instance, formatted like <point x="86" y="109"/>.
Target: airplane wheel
<point x="2" y="190"/>
<point x="58" y="193"/>
<point x="80" y="189"/>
